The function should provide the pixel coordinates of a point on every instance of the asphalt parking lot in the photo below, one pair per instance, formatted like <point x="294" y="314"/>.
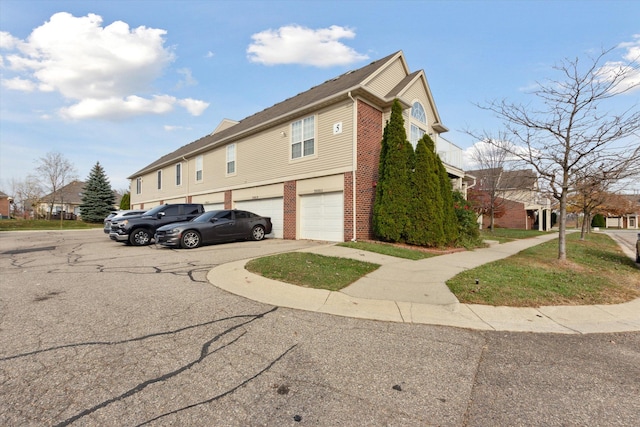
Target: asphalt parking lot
<point x="97" y="333"/>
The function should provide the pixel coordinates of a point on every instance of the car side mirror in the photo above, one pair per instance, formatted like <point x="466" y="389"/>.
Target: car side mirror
<point x="160" y="214"/>
<point x="213" y="220"/>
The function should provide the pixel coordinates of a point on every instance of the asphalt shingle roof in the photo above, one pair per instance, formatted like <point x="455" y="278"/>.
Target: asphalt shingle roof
<point x="334" y="87"/>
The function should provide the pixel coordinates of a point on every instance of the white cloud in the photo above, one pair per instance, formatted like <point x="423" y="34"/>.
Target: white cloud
<point x="187" y="79"/>
<point x="171" y="128"/>
<point x="487" y="150"/>
<point x="194" y="106"/>
<point x="101" y="68"/>
<point x="299" y="45"/>
<point x="117" y="108"/>
<point x="17" y="83"/>
<point x="7" y="41"/>
<point x="630" y="65"/>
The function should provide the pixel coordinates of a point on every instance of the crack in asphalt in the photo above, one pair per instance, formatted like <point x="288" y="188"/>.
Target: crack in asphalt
<point x="136" y="339"/>
<point x="205" y="352"/>
<point x="226" y="393"/>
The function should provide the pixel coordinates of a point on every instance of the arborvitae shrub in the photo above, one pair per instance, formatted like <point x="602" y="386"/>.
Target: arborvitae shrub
<point x="393" y="190"/>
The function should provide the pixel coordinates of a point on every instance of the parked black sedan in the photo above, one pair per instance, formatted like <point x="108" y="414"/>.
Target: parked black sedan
<point x="214" y="227"/>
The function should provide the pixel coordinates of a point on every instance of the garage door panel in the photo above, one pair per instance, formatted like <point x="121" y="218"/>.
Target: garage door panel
<point x="322" y="217"/>
<point x="273" y="208"/>
<point x="213" y="207"/>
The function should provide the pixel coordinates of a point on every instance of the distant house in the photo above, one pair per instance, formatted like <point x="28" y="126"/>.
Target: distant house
<point x="309" y="162"/>
<point x="520" y="204"/>
<point x="5" y="205"/>
<point x="66" y="201"/>
<point x="630" y="219"/>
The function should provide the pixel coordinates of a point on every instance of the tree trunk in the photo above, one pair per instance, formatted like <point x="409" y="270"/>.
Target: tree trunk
<point x="491" y="219"/>
<point x="562" y="227"/>
<point x="583" y="229"/>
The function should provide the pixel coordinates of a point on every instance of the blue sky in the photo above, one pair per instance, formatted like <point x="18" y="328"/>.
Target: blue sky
<point x="124" y="82"/>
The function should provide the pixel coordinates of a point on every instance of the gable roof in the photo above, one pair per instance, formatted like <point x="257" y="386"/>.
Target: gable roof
<point x="522" y="179"/>
<point x="71" y="194"/>
<point x="331" y="91"/>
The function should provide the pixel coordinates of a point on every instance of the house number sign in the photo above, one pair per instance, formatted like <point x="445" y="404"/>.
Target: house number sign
<point x="337" y="128"/>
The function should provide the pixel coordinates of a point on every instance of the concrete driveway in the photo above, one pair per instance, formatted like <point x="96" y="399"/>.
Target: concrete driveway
<point x="96" y="333"/>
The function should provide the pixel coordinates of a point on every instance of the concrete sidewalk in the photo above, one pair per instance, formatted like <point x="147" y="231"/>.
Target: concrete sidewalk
<point x="415" y="292"/>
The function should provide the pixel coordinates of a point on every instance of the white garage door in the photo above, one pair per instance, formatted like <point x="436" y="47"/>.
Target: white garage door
<point x="273" y="208"/>
<point x="213" y="207"/>
<point x="322" y="217"/>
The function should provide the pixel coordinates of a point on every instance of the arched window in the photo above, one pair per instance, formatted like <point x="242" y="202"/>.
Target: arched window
<point x="417" y="112"/>
<point x="418" y="123"/>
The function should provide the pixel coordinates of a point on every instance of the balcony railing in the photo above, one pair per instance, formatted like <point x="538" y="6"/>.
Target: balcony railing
<point x="449" y="153"/>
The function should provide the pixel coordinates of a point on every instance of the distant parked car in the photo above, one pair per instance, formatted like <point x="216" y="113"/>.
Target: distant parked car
<point x="116" y="215"/>
<point x="214" y="227"/>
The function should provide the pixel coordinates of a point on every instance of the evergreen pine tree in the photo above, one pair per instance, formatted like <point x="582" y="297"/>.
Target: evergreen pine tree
<point x="425" y="227"/>
<point x="125" y="201"/>
<point x="98" y="198"/>
<point x="393" y="192"/>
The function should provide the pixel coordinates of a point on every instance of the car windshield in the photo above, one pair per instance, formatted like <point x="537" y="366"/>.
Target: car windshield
<point x="205" y="217"/>
<point x="155" y="210"/>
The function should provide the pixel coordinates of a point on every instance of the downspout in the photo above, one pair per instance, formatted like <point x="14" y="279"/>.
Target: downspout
<point x="187" y="195"/>
<point x="354" y="138"/>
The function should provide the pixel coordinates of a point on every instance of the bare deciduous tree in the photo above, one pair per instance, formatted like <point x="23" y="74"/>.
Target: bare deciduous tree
<point x="55" y="171"/>
<point x="592" y="187"/>
<point x="573" y="127"/>
<point x="26" y="194"/>
<point x="489" y="157"/>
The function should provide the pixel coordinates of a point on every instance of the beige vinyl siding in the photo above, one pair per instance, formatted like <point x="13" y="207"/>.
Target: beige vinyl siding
<point x="176" y="200"/>
<point x="262" y="192"/>
<point x="384" y="82"/>
<point x="208" y="198"/>
<point x="417" y="92"/>
<point x="267" y="156"/>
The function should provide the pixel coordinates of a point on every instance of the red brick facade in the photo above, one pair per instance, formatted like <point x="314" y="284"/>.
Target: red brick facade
<point x="228" y="199"/>
<point x="289" y="214"/>
<point x="348" y="206"/>
<point x="369" y="136"/>
<point x="4" y="207"/>
<point x="514" y="216"/>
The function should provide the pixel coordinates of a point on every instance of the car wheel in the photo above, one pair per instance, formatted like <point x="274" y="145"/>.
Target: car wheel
<point x="140" y="237"/>
<point x="257" y="233"/>
<point x="190" y="239"/>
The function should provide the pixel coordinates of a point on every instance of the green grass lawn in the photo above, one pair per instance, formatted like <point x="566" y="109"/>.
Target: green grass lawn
<point x="596" y="272"/>
<point x="389" y="249"/>
<point x="42" y="224"/>
<point x="504" y="235"/>
<point x="311" y="270"/>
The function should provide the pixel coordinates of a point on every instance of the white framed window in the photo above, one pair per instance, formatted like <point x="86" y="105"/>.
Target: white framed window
<point x="303" y="141"/>
<point x="231" y="159"/>
<point x="178" y="174"/>
<point x="418" y="123"/>
<point x="199" y="162"/>
<point x="160" y="180"/>
<point x="416" y="134"/>
<point x="417" y="112"/>
<point x="138" y="185"/>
